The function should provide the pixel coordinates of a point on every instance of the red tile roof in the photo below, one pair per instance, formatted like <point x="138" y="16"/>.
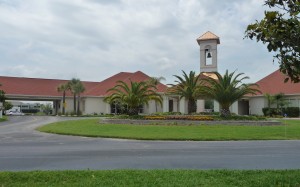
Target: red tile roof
<point x="35" y="86"/>
<point x="274" y="83"/>
<point x="138" y="76"/>
<point x="48" y="87"/>
<point x="208" y="36"/>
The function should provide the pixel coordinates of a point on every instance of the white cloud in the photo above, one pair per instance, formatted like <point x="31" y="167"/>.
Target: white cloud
<point x="95" y="39"/>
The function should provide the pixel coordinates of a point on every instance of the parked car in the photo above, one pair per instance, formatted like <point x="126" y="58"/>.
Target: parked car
<point x="15" y="113"/>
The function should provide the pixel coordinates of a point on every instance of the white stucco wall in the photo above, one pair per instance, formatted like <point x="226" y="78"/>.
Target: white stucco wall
<point x="256" y="104"/>
<point x="95" y="105"/>
<point x="200" y="105"/>
<point x="183" y="106"/>
<point x="69" y="105"/>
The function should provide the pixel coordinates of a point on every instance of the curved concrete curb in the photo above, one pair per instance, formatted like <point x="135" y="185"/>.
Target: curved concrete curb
<point x="187" y="122"/>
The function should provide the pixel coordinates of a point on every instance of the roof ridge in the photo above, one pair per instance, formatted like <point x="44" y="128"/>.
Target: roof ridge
<point x="105" y="80"/>
<point x="44" y="79"/>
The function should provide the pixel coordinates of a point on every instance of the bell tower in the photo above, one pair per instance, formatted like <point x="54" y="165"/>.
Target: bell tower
<point x="208" y="52"/>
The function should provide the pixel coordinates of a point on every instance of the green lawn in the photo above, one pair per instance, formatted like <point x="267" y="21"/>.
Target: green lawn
<point x="91" y="127"/>
<point x="154" y="178"/>
<point x="4" y="118"/>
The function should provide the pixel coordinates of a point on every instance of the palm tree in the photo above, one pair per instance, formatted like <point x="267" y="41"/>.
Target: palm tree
<point x="270" y="99"/>
<point x="78" y="88"/>
<point x="133" y="95"/>
<point x="73" y="82"/>
<point x="227" y="89"/>
<point x="64" y="88"/>
<point x="156" y="81"/>
<point x="187" y="87"/>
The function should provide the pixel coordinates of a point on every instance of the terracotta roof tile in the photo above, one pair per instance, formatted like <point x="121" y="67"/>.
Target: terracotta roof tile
<point x="48" y="87"/>
<point x="102" y="87"/>
<point x="35" y="86"/>
<point x="208" y="36"/>
<point x="274" y="84"/>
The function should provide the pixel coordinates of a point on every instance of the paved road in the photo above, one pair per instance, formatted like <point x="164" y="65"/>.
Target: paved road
<point x="23" y="148"/>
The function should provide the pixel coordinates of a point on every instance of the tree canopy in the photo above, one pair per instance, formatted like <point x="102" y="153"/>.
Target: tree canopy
<point x="187" y="87"/>
<point x="133" y="95"/>
<point x="280" y="31"/>
<point x="2" y="95"/>
<point x="226" y="89"/>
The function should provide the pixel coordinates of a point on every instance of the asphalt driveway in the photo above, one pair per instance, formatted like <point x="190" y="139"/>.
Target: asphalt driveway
<point x="23" y="148"/>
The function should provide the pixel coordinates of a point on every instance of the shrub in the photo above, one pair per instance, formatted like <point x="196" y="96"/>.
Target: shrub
<point x="241" y="118"/>
<point x="291" y="111"/>
<point x="73" y="113"/>
<point x="166" y="113"/>
<point x="196" y="118"/>
<point x="271" y="111"/>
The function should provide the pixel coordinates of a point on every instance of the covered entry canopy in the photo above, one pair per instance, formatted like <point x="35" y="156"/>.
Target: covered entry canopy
<point x="35" y="89"/>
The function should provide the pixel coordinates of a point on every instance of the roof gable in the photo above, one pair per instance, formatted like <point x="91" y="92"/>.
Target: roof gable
<point x="102" y="87"/>
<point x="274" y="84"/>
<point x="208" y="36"/>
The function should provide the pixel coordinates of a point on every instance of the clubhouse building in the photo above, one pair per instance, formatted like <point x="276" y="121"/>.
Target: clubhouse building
<point x="92" y="100"/>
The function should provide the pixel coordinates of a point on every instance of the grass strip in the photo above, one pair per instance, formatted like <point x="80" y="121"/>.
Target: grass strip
<point x="91" y="128"/>
<point x="152" y="178"/>
<point x="4" y="118"/>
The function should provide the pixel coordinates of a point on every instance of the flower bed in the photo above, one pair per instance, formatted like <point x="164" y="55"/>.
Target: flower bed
<point x="194" y="118"/>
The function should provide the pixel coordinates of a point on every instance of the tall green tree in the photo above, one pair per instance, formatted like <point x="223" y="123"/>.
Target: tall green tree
<point x="280" y="31"/>
<point x="78" y="89"/>
<point x="64" y="88"/>
<point x="2" y="95"/>
<point x="280" y="101"/>
<point x="188" y="87"/>
<point x="7" y="105"/>
<point x="133" y="95"/>
<point x="72" y="83"/>
<point x="226" y="89"/>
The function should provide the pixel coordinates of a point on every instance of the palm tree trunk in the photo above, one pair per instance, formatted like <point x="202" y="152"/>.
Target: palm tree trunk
<point x="78" y="105"/>
<point x="225" y="112"/>
<point x="133" y="111"/>
<point x="192" y="106"/>
<point x="74" y="102"/>
<point x="64" y="103"/>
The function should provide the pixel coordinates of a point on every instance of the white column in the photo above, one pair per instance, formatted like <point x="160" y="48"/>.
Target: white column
<point x="165" y="104"/>
<point x="175" y="104"/>
<point x="216" y="106"/>
<point x="234" y="108"/>
<point x="200" y="105"/>
<point x="183" y="106"/>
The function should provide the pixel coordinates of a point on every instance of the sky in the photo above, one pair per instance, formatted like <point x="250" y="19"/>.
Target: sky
<point x="95" y="39"/>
